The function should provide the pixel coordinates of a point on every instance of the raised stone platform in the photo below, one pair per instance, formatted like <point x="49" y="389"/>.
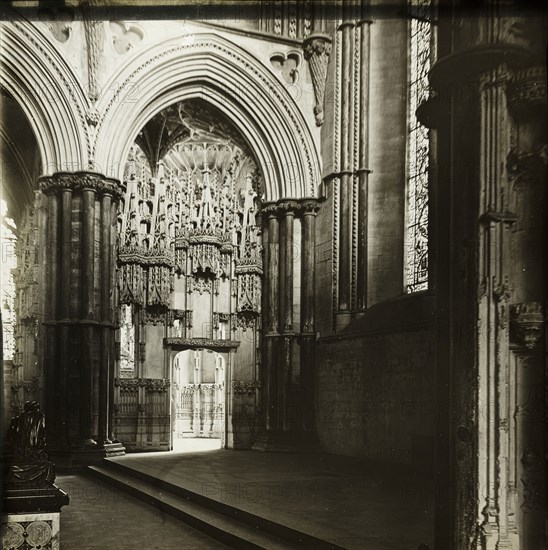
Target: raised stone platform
<point x="328" y="501"/>
<point x="286" y="442"/>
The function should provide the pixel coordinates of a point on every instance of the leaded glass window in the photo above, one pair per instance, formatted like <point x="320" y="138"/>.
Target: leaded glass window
<point x="9" y="262"/>
<point x="416" y="242"/>
<point x="127" y="343"/>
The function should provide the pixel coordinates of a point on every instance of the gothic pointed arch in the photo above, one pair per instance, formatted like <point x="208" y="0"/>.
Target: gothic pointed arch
<point x="216" y="70"/>
<point x="40" y="80"/>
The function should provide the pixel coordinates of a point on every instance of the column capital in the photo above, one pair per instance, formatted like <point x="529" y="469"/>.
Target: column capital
<point x="527" y="323"/>
<point x="309" y="206"/>
<point x="80" y="181"/>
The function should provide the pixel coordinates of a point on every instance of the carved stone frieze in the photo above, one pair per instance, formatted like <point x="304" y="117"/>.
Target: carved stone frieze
<point x="527" y="322"/>
<point x="149" y="317"/>
<point x="132" y="385"/>
<point x="317" y="49"/>
<point x="156" y="384"/>
<point x="200" y="343"/>
<point x="244" y="387"/>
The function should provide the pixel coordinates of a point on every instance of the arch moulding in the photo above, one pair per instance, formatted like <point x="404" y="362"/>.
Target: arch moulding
<point x="216" y="70"/>
<point x="39" y="79"/>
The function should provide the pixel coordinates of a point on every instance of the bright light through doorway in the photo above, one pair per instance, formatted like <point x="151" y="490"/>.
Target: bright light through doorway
<point x="195" y="444"/>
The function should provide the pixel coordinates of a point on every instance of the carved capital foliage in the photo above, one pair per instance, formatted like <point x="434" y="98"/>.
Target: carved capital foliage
<point x="298" y="207"/>
<point x="80" y="181"/>
<point x="317" y="49"/>
<point x="309" y="207"/>
<point x="527" y="321"/>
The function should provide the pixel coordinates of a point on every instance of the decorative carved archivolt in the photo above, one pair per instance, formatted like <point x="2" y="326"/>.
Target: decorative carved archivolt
<point x="527" y="322"/>
<point x="317" y="49"/>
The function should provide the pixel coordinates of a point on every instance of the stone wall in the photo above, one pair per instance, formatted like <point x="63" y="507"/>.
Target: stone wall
<point x="376" y="384"/>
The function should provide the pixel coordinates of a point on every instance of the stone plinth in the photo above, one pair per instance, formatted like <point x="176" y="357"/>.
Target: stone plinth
<point x="31" y="517"/>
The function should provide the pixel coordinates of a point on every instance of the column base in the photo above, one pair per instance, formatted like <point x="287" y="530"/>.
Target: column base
<point x="342" y="319"/>
<point x="286" y="442"/>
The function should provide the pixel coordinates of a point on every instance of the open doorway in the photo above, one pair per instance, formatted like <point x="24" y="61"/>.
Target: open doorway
<point x="199" y="400"/>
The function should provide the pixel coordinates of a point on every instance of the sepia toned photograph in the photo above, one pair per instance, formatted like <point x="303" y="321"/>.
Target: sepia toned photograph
<point x="274" y="274"/>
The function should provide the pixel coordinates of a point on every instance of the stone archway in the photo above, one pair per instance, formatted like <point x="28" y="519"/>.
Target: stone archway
<point x="233" y="81"/>
<point x="49" y="94"/>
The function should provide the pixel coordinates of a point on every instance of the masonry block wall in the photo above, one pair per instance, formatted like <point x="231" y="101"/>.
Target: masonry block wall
<point x="376" y="387"/>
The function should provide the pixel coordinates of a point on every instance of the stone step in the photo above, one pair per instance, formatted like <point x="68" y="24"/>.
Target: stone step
<point x="228" y="524"/>
<point x="213" y="524"/>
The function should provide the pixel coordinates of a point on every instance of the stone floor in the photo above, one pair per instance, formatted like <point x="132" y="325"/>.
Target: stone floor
<point x="353" y="503"/>
<point x="102" y="518"/>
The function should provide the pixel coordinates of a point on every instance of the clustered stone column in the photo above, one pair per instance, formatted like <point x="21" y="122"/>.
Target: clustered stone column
<point x="79" y="361"/>
<point x="490" y="212"/>
<point x="362" y="169"/>
<point x="350" y="178"/>
<point x="280" y="332"/>
<point x="307" y="336"/>
<point x="528" y="170"/>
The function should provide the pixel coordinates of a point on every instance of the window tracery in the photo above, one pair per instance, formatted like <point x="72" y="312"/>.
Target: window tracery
<point x="127" y="343"/>
<point x="9" y="263"/>
<point x="416" y="242"/>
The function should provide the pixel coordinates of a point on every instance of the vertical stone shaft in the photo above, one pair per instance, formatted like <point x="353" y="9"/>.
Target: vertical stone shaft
<point x="111" y="318"/>
<point x="286" y="317"/>
<point x="64" y="313"/>
<point x="345" y="253"/>
<point x="271" y="332"/>
<point x="52" y="373"/>
<point x="106" y="290"/>
<point x="308" y="258"/>
<point x="87" y="313"/>
<point x="363" y="161"/>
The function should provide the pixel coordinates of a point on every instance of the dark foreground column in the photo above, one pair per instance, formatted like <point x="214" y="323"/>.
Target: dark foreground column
<point x="80" y="324"/>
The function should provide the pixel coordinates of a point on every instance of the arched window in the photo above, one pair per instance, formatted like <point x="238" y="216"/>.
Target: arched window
<point x="127" y="343"/>
<point x="9" y="262"/>
<point x="420" y="60"/>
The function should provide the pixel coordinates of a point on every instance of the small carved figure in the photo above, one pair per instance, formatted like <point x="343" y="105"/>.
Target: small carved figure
<point x="249" y="202"/>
